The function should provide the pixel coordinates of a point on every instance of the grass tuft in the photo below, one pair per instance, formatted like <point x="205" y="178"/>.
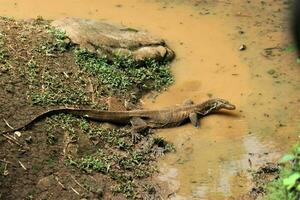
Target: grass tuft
<point x="124" y="74"/>
<point x="60" y="43"/>
<point x="116" y="155"/>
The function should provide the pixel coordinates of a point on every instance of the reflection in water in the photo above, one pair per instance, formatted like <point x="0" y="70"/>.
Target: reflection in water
<point x="210" y="162"/>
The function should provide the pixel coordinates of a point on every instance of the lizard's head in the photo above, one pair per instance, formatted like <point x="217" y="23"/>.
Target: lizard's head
<point x="215" y="105"/>
<point x="221" y="103"/>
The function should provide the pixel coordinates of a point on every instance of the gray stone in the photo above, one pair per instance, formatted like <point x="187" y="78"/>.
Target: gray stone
<point x="106" y="39"/>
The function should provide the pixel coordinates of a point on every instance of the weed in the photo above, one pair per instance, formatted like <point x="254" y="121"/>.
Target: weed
<point x="48" y="84"/>
<point x="126" y="188"/>
<point x="3" y="51"/>
<point x="60" y="44"/>
<point x="63" y="121"/>
<point x="116" y="156"/>
<point x="55" y="91"/>
<point x="51" y="139"/>
<point x="2" y="168"/>
<point x="287" y="186"/>
<point x="3" y="55"/>
<point x="96" y="162"/>
<point x="32" y="73"/>
<point x="290" y="48"/>
<point x="124" y="74"/>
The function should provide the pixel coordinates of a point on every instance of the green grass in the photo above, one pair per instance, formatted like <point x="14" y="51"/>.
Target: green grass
<point x="3" y="51"/>
<point x="60" y="43"/>
<point x="287" y="186"/>
<point x="108" y="151"/>
<point x="57" y="91"/>
<point x="291" y="48"/>
<point x="50" y="88"/>
<point x="117" y="156"/>
<point x="98" y="162"/>
<point x="2" y="168"/>
<point x="124" y="74"/>
<point x="121" y="76"/>
<point x="126" y="188"/>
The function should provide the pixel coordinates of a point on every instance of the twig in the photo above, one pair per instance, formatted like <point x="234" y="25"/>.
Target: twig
<point x="13" y="49"/>
<point x="5" y="161"/>
<point x="22" y="165"/>
<point x="242" y="15"/>
<point x="75" y="191"/>
<point x="5" y="171"/>
<point x="13" y="140"/>
<point x="91" y="90"/>
<point x="78" y="183"/>
<point x="60" y="183"/>
<point x="66" y="75"/>
<point x="7" y="124"/>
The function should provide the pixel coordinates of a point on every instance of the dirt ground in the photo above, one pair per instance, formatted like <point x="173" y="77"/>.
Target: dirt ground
<point x="63" y="157"/>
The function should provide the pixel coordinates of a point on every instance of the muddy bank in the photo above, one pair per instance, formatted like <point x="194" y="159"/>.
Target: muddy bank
<point x="63" y="156"/>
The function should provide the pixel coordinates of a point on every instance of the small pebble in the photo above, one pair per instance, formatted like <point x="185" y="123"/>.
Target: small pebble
<point x="242" y="47"/>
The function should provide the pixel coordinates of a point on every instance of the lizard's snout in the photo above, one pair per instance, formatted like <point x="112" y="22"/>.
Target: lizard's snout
<point x="229" y="106"/>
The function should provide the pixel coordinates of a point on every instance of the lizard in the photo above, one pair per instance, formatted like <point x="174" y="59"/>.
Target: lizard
<point x="141" y="119"/>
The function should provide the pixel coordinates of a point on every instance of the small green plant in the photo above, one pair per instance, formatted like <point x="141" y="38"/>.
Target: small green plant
<point x="3" y="55"/>
<point x="60" y="44"/>
<point x="126" y="188"/>
<point x="32" y="71"/>
<point x="117" y="156"/>
<point x="3" y="52"/>
<point x="96" y="162"/>
<point x="292" y="182"/>
<point x="63" y="121"/>
<point x="287" y="186"/>
<point x="55" y="91"/>
<point x="124" y="74"/>
<point x="2" y="168"/>
<point x="291" y="48"/>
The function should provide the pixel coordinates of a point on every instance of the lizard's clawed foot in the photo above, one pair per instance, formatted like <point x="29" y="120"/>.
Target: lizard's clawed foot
<point x="135" y="137"/>
<point x="158" y="151"/>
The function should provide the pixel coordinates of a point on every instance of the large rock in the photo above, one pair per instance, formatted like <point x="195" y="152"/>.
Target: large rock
<point x="107" y="39"/>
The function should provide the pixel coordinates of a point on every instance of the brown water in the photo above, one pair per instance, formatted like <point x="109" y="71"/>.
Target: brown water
<point x="211" y="162"/>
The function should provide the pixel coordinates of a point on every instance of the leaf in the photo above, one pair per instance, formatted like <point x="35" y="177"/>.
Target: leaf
<point x="286" y="158"/>
<point x="290" y="181"/>
<point x="298" y="150"/>
<point x="298" y="188"/>
<point x="291" y="48"/>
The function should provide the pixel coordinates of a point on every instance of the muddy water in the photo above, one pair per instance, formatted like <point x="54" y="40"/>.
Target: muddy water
<point x="211" y="162"/>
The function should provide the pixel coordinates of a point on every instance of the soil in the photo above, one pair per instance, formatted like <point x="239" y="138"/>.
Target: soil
<point x="58" y="157"/>
<point x="260" y="179"/>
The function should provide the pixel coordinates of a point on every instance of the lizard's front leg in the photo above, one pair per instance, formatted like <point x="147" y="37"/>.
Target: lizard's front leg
<point x="138" y="125"/>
